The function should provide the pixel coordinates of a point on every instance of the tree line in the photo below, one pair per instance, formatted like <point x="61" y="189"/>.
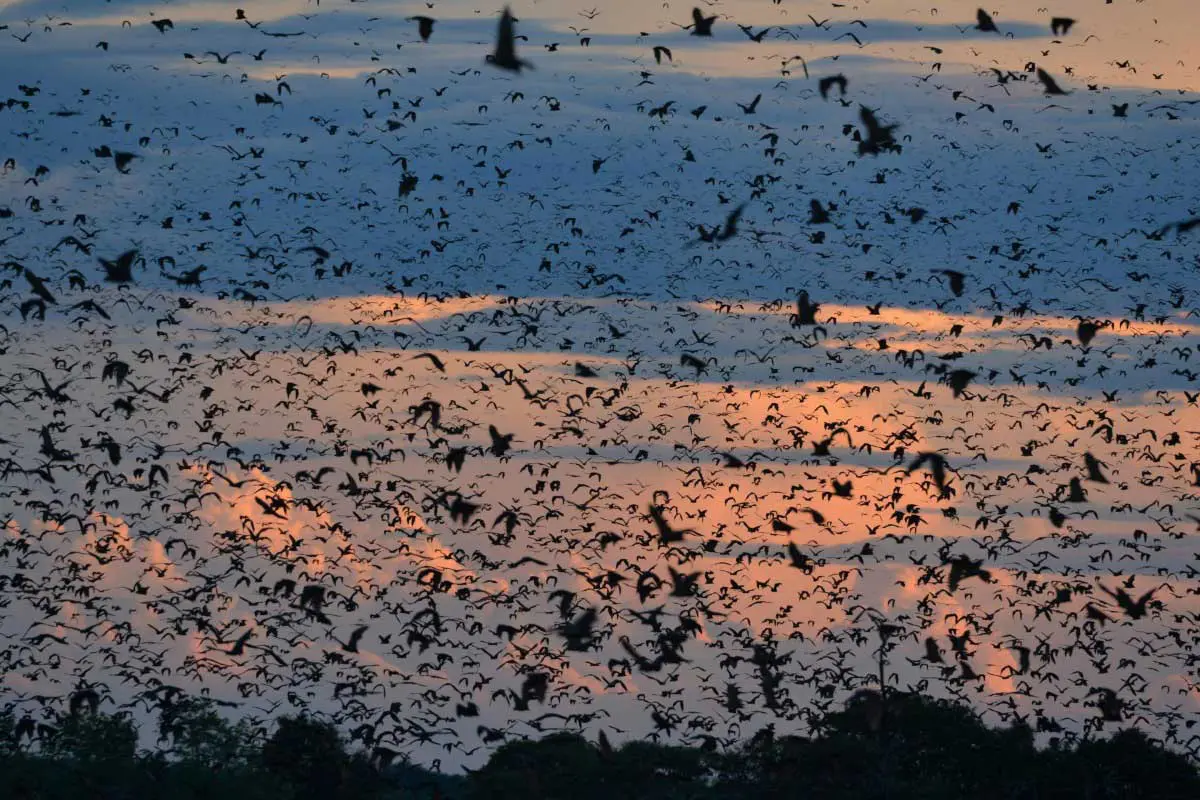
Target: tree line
<point x="904" y="746"/>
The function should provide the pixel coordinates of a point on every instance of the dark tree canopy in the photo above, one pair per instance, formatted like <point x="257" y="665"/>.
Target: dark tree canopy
<point x="905" y="747"/>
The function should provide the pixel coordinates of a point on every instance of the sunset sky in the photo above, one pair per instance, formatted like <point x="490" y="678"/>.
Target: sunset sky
<point x="362" y="260"/>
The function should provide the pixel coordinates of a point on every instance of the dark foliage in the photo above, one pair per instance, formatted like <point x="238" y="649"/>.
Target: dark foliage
<point x="908" y="747"/>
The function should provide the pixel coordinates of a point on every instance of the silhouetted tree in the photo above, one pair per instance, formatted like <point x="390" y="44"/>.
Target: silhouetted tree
<point x="200" y="736"/>
<point x="94" y="738"/>
<point x="901" y="747"/>
<point x="308" y="754"/>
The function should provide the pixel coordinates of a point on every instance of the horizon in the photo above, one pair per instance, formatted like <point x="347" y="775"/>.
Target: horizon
<point x="362" y="260"/>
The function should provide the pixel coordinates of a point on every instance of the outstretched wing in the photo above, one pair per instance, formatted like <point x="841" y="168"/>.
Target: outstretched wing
<point x="505" y="48"/>
<point x="869" y="120"/>
<point x="660" y="522"/>
<point x="1048" y="82"/>
<point x="731" y="222"/>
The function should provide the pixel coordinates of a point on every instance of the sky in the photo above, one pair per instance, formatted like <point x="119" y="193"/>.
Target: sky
<point x="436" y="338"/>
